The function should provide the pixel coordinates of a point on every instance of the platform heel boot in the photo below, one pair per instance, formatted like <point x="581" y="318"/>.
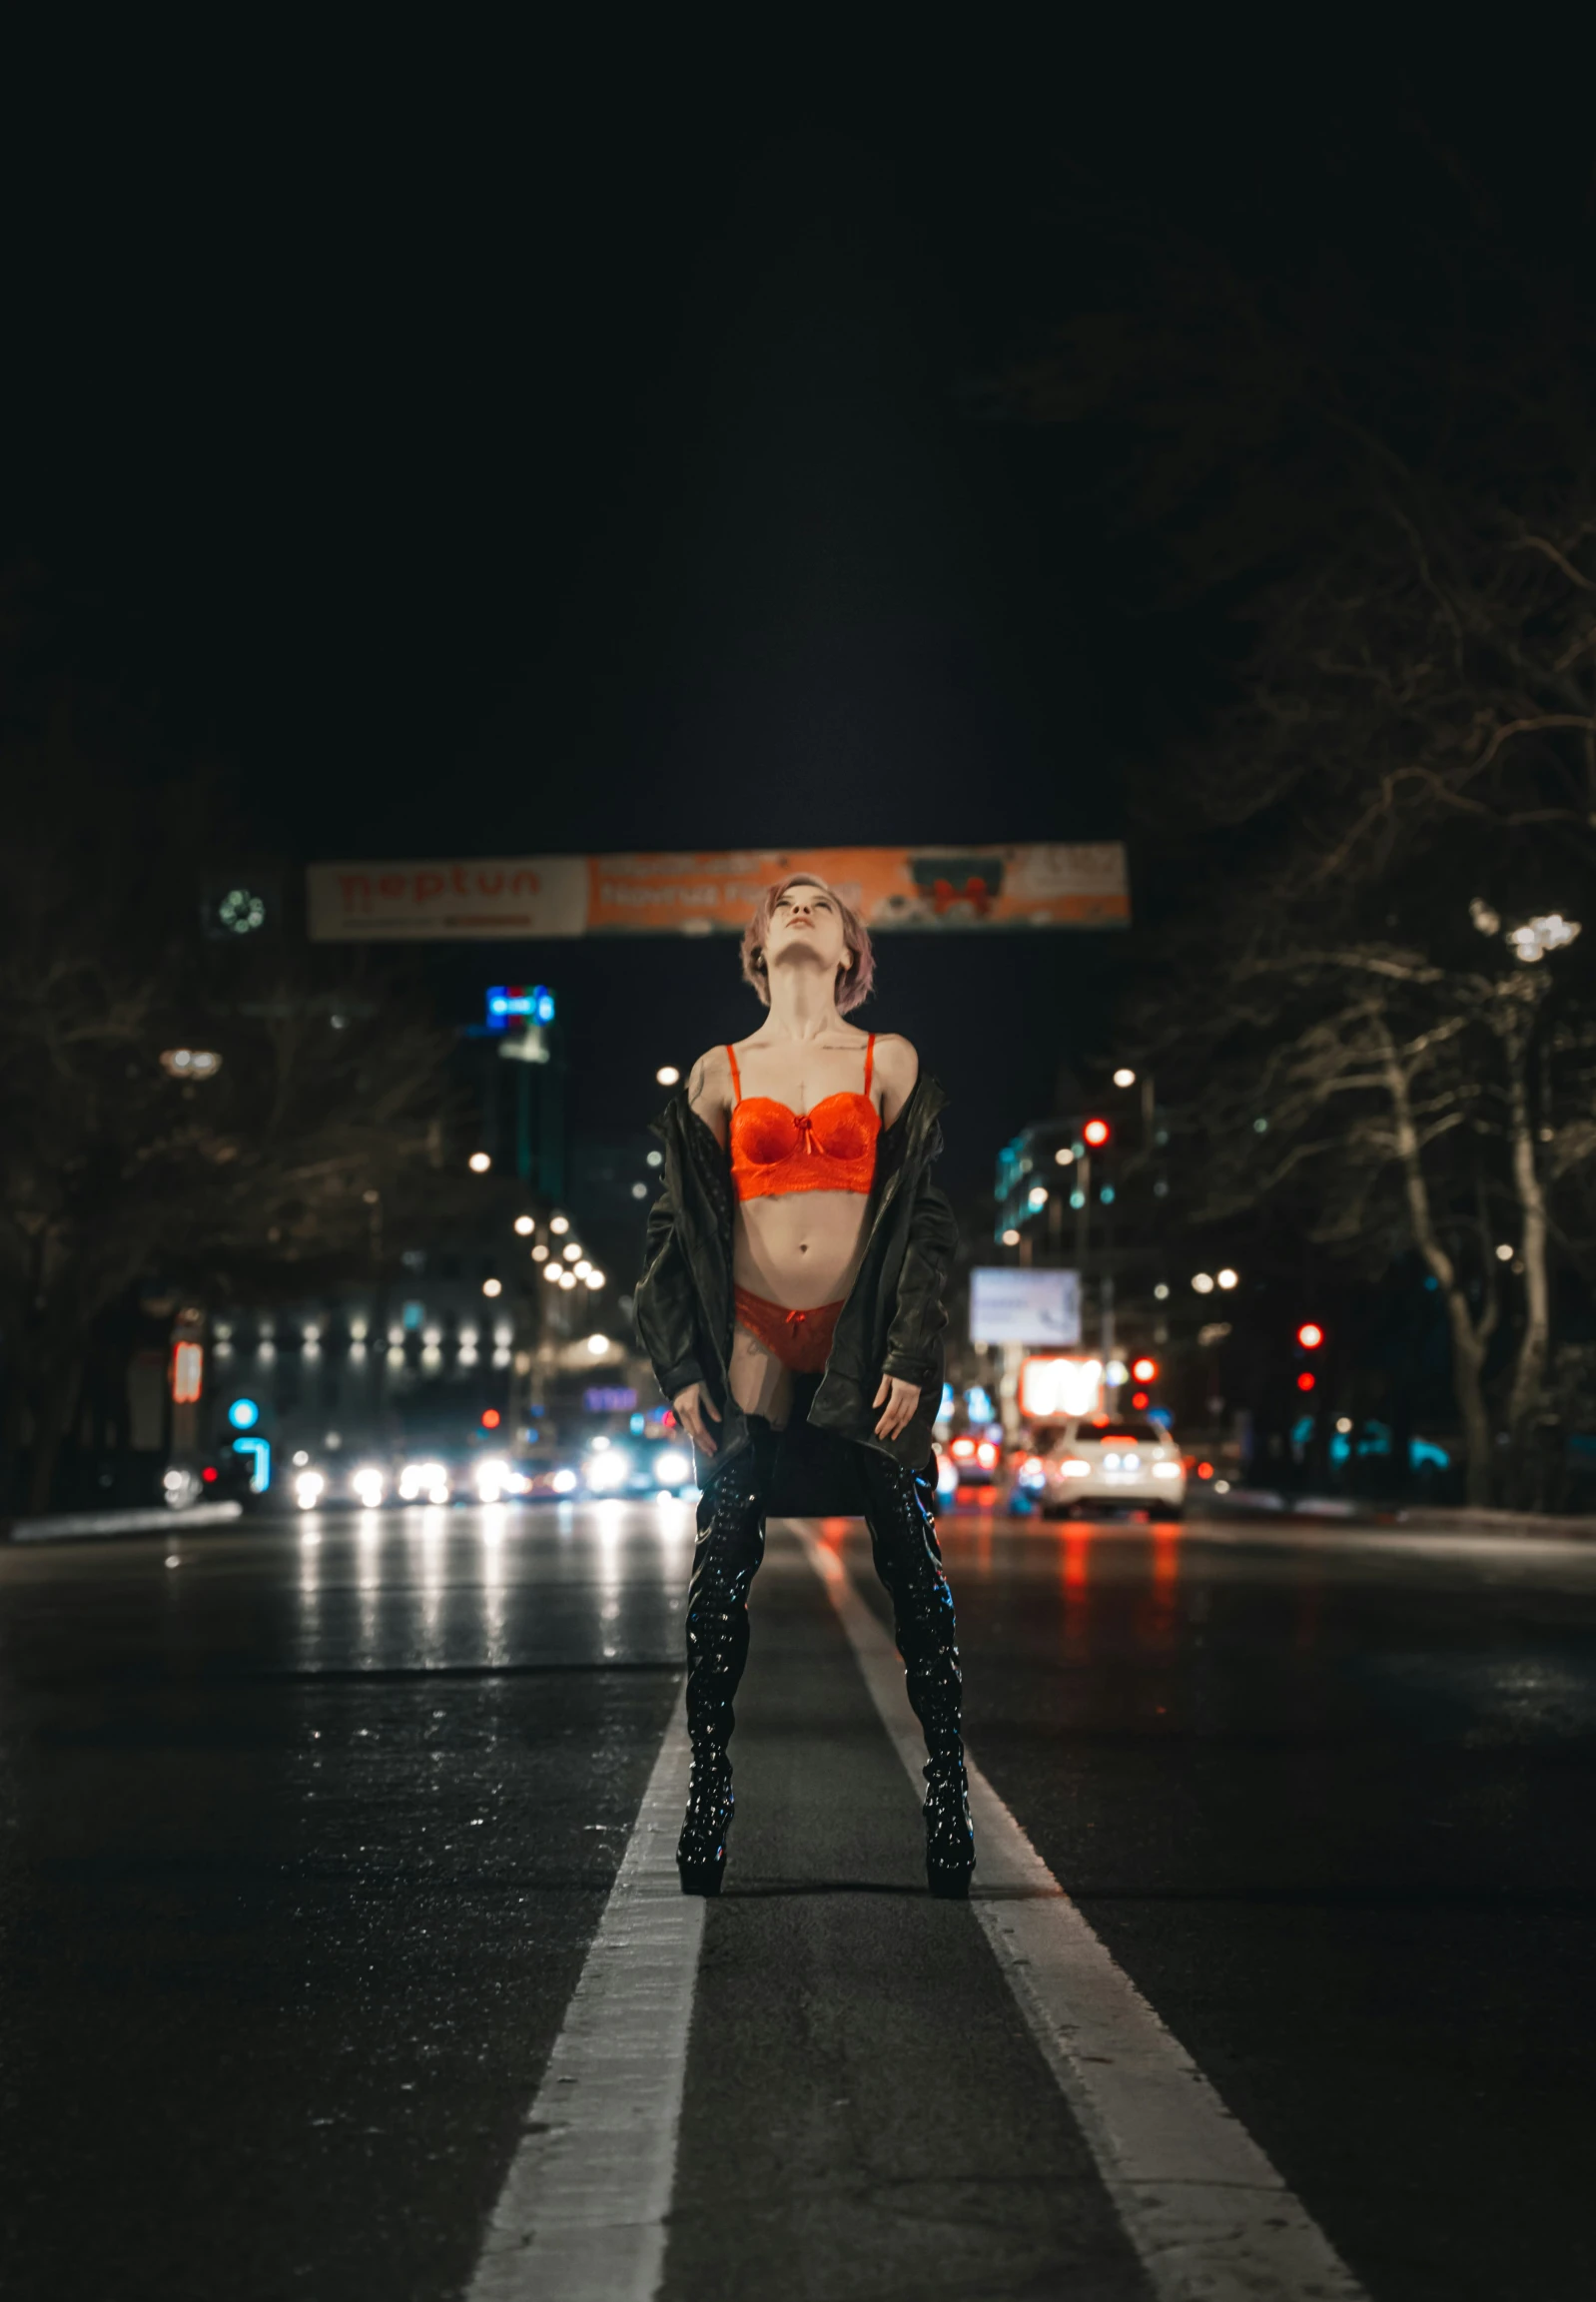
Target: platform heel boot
<point x="908" y="1559"/>
<point x="731" y="1545"/>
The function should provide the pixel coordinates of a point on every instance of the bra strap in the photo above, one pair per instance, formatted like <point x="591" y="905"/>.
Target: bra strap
<point x="870" y="1059"/>
<point x="736" y="1075"/>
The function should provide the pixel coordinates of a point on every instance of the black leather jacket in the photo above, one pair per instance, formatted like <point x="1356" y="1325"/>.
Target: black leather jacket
<point x="891" y="1322"/>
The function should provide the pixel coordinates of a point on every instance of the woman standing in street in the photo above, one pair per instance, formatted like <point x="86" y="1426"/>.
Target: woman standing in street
<point x="791" y="1304"/>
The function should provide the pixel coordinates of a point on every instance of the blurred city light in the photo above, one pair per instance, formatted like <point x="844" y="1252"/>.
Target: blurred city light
<point x="572" y="1250"/>
<point x="1161" y="1293"/>
<point x="598" y="1346"/>
<point x="1064" y="1157"/>
<point x="1095" y="1133"/>
<point x="1309" y="1335"/>
<point x="1202" y="1283"/>
<point x="667" y="1074"/>
<point x="1306" y="1381"/>
<point x="595" y="1279"/>
<point x="1537" y="937"/>
<point x="1144" y="1370"/>
<point x="244" y="1414"/>
<point x="525" y="1226"/>
<point x="1011" y="1239"/>
<point x="1037" y="1195"/>
<point x="568" y="1279"/>
<point x="191" y="1062"/>
<point x="478" y="1163"/>
<point x="492" y="1288"/>
<point x="1505" y="1253"/>
<point x="540" y="1253"/>
<point x="1228" y="1279"/>
<point x="553" y="1271"/>
<point x="560" y="1225"/>
<point x="1124" y="1077"/>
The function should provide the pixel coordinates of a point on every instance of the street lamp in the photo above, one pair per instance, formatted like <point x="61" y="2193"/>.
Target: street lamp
<point x="478" y="1163"/>
<point x="525" y="1226"/>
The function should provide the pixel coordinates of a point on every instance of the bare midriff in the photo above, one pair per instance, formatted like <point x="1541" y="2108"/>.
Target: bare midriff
<point x="800" y="1251"/>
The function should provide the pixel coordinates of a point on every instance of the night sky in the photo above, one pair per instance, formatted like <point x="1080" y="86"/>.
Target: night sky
<point x="566" y="449"/>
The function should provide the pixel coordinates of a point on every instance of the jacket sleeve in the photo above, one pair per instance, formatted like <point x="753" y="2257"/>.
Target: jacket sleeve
<point x="920" y="1315"/>
<point x="665" y="1305"/>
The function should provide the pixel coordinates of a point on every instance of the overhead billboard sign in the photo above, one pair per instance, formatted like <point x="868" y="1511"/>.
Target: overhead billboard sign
<point x="707" y="892"/>
<point x="1010" y="1305"/>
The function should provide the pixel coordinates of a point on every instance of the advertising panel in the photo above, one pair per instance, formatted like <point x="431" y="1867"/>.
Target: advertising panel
<point x="1009" y="1306"/>
<point x="709" y="893"/>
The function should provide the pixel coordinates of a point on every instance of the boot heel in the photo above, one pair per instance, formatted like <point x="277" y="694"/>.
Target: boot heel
<point x="949" y="1882"/>
<point x="702" y="1878"/>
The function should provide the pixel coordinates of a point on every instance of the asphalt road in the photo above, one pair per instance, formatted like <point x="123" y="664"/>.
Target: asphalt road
<point x="307" y="1829"/>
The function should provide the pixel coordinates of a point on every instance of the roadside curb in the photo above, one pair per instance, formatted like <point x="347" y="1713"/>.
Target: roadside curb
<point x="66" y="1526"/>
<point x="1425" y="1519"/>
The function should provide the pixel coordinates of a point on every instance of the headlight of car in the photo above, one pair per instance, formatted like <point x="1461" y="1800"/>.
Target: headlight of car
<point x="607" y="1471"/>
<point x="368" y="1487"/>
<point x="671" y="1467"/>
<point x="308" y="1487"/>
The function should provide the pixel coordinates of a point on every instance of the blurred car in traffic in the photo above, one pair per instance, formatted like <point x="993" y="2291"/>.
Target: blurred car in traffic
<point x="1103" y="1461"/>
<point x="613" y="1467"/>
<point x="967" y="1461"/>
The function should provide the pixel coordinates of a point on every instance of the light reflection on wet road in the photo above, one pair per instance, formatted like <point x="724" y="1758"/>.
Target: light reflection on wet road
<point x="307" y="1834"/>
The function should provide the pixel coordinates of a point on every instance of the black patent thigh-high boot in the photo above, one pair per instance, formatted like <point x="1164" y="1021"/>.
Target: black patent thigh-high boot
<point x="731" y="1544"/>
<point x="908" y="1557"/>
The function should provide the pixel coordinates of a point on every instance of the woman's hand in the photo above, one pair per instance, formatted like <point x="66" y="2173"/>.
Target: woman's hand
<point x="690" y="1407"/>
<point x="901" y="1400"/>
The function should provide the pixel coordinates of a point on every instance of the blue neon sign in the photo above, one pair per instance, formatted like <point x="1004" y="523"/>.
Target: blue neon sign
<point x="509" y="1002"/>
<point x="259" y="1454"/>
<point x="244" y="1414"/>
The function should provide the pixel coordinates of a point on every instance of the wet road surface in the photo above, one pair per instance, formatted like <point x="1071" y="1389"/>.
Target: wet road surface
<point x="309" y="1828"/>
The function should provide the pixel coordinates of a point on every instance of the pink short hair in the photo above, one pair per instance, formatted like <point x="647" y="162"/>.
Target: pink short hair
<point x="853" y="988"/>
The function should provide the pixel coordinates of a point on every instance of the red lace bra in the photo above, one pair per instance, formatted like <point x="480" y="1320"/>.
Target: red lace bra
<point x="830" y="1148"/>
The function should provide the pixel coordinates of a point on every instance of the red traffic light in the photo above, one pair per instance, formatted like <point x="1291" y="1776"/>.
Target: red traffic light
<point x="1309" y="1337"/>
<point x="1140" y="1399"/>
<point x="1144" y="1370"/>
<point x="490" y="1419"/>
<point x="1095" y="1133"/>
<point x="1306" y="1381"/>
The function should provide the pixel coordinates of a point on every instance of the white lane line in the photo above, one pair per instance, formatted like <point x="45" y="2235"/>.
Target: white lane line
<point x="1210" y="2218"/>
<point x="581" y="2217"/>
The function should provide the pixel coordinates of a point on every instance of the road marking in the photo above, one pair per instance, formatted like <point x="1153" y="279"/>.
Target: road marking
<point x="1210" y="2218"/>
<point x="581" y="2216"/>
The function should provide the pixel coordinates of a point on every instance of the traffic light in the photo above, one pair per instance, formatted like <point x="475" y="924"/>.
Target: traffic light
<point x="1095" y="1133"/>
<point x="1144" y="1370"/>
<point x="1309" y="1335"/>
<point x="1306" y="1382"/>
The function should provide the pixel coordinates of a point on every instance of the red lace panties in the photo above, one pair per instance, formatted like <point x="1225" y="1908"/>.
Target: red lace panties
<point x="800" y="1339"/>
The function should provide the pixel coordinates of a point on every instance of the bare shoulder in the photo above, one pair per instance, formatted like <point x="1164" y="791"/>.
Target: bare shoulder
<point x="897" y="1067"/>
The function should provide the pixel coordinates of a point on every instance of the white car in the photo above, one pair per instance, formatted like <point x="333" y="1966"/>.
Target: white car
<point x="1104" y="1460"/>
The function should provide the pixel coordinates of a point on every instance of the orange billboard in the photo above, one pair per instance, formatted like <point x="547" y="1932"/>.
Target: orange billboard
<point x="948" y="888"/>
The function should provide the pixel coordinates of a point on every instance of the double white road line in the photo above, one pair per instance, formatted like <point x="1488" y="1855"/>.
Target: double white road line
<point x="583" y="2214"/>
